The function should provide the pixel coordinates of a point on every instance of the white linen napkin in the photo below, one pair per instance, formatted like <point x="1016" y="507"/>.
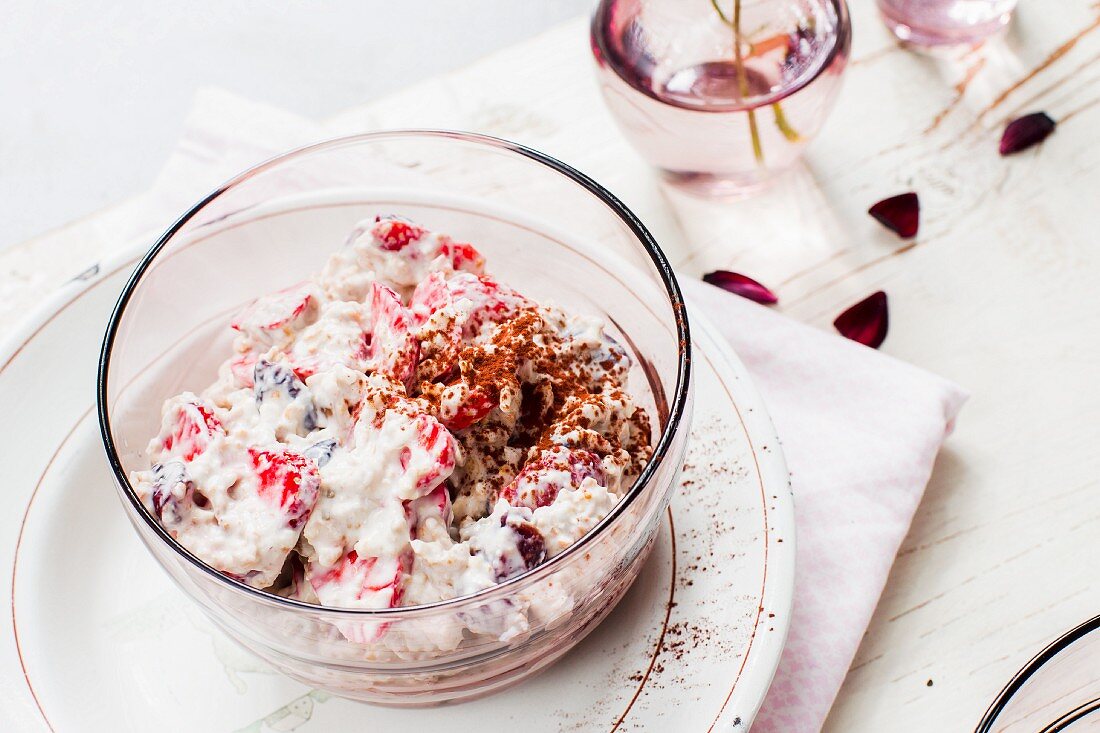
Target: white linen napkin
<point x="860" y="429"/>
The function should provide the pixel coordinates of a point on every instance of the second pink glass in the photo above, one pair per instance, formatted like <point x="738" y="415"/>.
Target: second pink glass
<point x="720" y="95"/>
<point x="927" y="23"/>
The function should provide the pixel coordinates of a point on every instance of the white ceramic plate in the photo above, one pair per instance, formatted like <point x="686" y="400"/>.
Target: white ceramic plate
<point x="96" y="638"/>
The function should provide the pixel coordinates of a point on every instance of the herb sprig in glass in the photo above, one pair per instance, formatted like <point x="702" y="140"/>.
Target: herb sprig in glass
<point x="769" y="44"/>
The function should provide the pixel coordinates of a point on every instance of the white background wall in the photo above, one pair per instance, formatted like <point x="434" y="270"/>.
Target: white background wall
<point x="93" y="93"/>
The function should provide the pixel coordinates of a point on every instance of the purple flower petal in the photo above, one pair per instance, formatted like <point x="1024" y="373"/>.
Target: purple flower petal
<point x="866" y="322"/>
<point x="742" y="285"/>
<point x="1023" y="132"/>
<point x="899" y="214"/>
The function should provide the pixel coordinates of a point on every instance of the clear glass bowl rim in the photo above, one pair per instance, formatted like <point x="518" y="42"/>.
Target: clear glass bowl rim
<point x="1020" y="679"/>
<point x="841" y="39"/>
<point x="633" y="223"/>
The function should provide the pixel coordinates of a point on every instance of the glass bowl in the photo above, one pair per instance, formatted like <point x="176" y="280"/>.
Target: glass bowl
<point x="546" y="229"/>
<point x="1058" y="690"/>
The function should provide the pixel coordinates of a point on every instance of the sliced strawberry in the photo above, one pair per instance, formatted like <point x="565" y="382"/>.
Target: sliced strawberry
<point x="393" y="234"/>
<point x="431" y="295"/>
<point x="448" y="310"/>
<point x="242" y="367"/>
<point x="373" y="582"/>
<point x="357" y="582"/>
<point x="287" y="479"/>
<point x="305" y="368"/>
<point x="475" y="404"/>
<point x="539" y="482"/>
<point x="289" y="308"/>
<point x="393" y="348"/>
<point x="462" y="255"/>
<point x="431" y="457"/>
<point x="192" y="427"/>
<point x="438" y="327"/>
<point x="436" y="505"/>
<point x="342" y="337"/>
<point x="492" y="302"/>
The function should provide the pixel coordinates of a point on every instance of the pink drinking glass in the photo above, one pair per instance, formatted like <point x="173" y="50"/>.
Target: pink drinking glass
<point x="945" y="22"/>
<point x="720" y="95"/>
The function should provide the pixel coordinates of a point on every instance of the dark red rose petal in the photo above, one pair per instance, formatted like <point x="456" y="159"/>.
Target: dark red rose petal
<point x="899" y="214"/>
<point x="742" y="285"/>
<point x="1023" y="132"/>
<point x="866" y="322"/>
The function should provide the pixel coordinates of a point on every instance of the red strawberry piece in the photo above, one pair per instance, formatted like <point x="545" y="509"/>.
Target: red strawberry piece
<point x="432" y="454"/>
<point x="375" y="580"/>
<point x="242" y="367"/>
<point x="376" y="583"/>
<point x="393" y="234"/>
<point x="305" y="369"/>
<point x="492" y="301"/>
<point x="431" y="295"/>
<point x="440" y="343"/>
<point x="194" y="426"/>
<point x="462" y="255"/>
<point x="289" y="307"/>
<point x="539" y="482"/>
<point x="287" y="479"/>
<point x="393" y="347"/>
<point x="383" y="577"/>
<point x="474" y="407"/>
<point x="439" y="502"/>
<point x="436" y="504"/>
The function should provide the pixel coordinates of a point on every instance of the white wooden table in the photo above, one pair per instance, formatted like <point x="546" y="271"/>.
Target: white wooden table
<point x="998" y="292"/>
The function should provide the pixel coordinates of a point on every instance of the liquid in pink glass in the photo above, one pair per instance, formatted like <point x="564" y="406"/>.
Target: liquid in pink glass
<point x="945" y="22"/>
<point x="715" y="116"/>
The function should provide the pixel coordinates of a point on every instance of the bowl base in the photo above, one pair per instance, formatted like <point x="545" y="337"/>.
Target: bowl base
<point x="463" y="683"/>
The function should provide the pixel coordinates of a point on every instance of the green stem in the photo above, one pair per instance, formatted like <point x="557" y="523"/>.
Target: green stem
<point x="784" y="126"/>
<point x="743" y="80"/>
<point x="722" y="15"/>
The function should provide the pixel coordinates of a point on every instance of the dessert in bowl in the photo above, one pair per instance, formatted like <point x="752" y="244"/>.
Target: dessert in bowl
<point x="397" y="430"/>
<point x="409" y="476"/>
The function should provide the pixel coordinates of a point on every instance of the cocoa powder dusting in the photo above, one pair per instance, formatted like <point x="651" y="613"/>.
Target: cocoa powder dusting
<point x="556" y="385"/>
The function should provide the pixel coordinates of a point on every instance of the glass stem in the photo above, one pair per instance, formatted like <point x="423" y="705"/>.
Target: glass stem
<point x="783" y="124"/>
<point x="743" y="83"/>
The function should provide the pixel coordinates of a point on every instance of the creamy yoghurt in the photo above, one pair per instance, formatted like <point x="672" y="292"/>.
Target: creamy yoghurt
<point x="399" y="429"/>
